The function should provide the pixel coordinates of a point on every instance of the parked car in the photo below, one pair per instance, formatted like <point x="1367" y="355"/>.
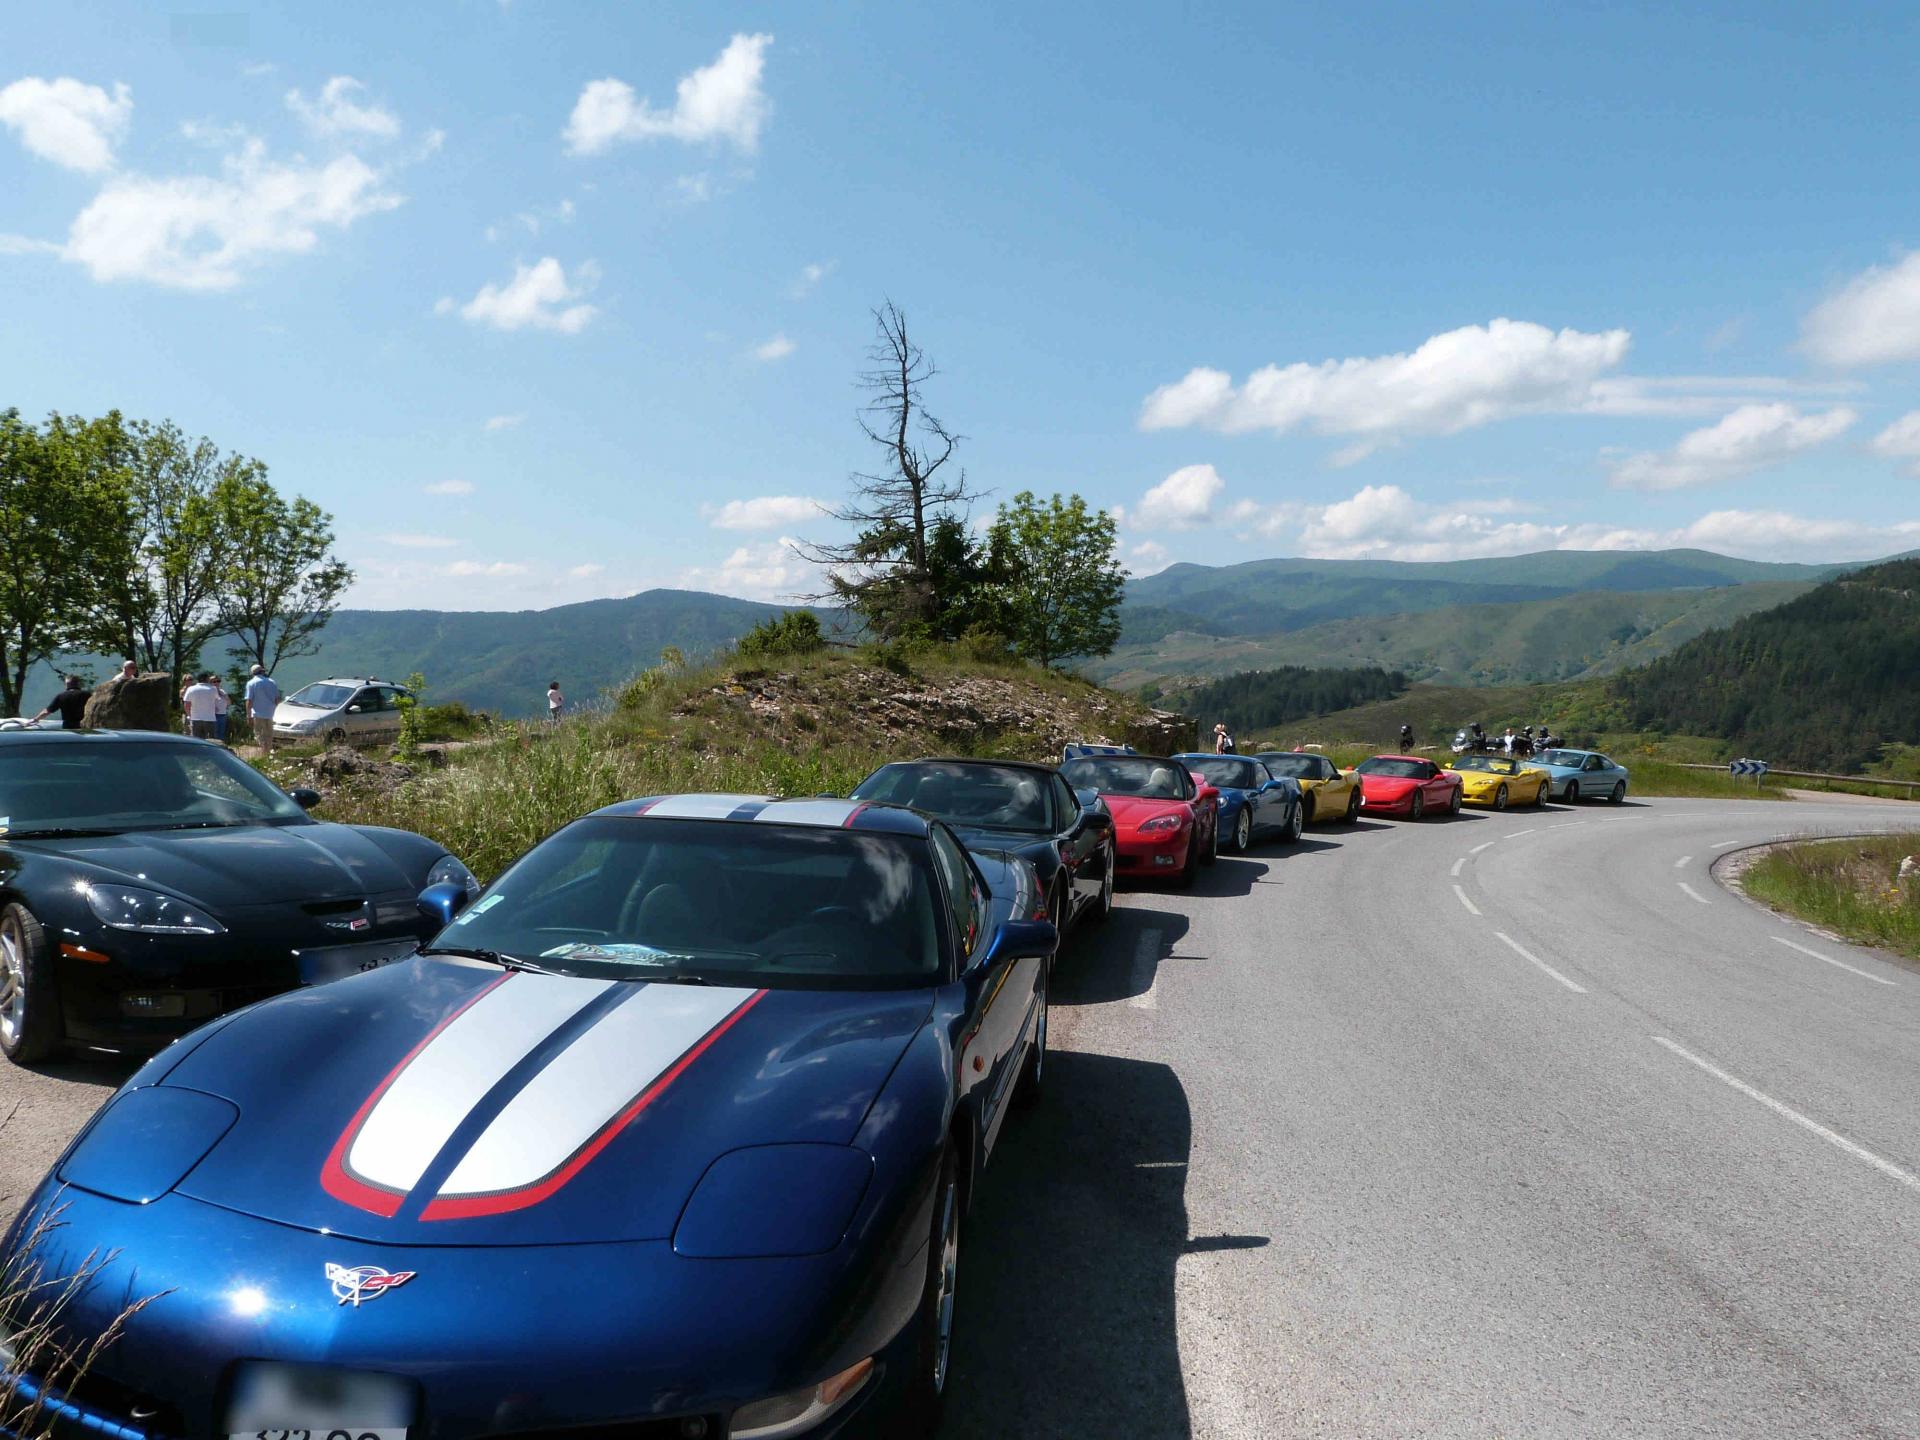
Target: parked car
<point x="1582" y="775"/>
<point x="1165" y="818"/>
<point x="1407" y="785"/>
<point x="670" y="1133"/>
<point x="1326" y="791"/>
<point x="341" y="711"/>
<point x="150" y="882"/>
<point x="1254" y="803"/>
<point x="1499" y="781"/>
<point x="1020" y="809"/>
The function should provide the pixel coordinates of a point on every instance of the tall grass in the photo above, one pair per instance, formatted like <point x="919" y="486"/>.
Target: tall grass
<point x="1848" y="886"/>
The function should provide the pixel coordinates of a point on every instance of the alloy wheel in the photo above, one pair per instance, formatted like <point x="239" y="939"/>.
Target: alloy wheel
<point x="1573" y="791"/>
<point x="1500" y="798"/>
<point x="1243" y="831"/>
<point x="13" y="987"/>
<point x="949" y="1281"/>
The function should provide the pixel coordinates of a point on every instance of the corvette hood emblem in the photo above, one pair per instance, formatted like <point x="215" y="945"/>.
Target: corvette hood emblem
<point x="354" y="1283"/>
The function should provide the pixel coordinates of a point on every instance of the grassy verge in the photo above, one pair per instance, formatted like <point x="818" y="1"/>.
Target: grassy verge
<point x="1850" y="887"/>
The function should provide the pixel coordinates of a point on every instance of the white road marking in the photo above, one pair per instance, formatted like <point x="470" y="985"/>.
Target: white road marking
<point x="1472" y="909"/>
<point x="1859" y="1152"/>
<point x="1683" y="862"/>
<point x="1478" y="848"/>
<point x="1838" y="964"/>
<point x="1531" y="958"/>
<point x="1516" y="834"/>
<point x="1568" y="826"/>
<point x="1723" y="844"/>
<point x="1694" y="893"/>
<point x="1457" y="864"/>
<point x="1145" y="970"/>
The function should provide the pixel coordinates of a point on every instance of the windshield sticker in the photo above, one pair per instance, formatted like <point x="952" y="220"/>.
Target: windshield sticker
<point x="482" y="906"/>
<point x="589" y="950"/>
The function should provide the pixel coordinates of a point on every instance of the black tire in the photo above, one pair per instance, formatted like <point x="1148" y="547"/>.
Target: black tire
<point x="1306" y="807"/>
<point x="1190" y="871"/>
<point x="1459" y="798"/>
<point x="1210" y="852"/>
<point x="1243" y="831"/>
<point x="1619" y="795"/>
<point x="1103" y="907"/>
<point x="1058" y="904"/>
<point x="925" y="1391"/>
<point x="1572" y="797"/>
<point x="1030" y="1087"/>
<point x="31" y="1026"/>
<point x="1540" y="796"/>
<point x="1419" y="806"/>
<point x="1353" y="805"/>
<point x="1500" y="798"/>
<point x="336" y="737"/>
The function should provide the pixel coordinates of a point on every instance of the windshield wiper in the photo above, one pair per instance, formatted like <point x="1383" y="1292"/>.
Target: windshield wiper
<point x="68" y="832"/>
<point x="492" y="957"/>
<point x="201" y="825"/>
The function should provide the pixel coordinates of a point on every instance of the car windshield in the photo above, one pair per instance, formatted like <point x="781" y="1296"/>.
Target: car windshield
<point x="113" y="786"/>
<point x="1575" y="758"/>
<point x="1494" y="763"/>
<point x="994" y="797"/>
<point x="1398" y="769"/>
<point x="715" y="901"/>
<point x="1128" y="775"/>
<point x="321" y="696"/>
<point x="1235" y="772"/>
<point x="1288" y="762"/>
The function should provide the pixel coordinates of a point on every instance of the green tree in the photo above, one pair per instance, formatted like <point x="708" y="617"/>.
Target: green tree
<point x="279" y="582"/>
<point x="791" y="632"/>
<point x="1056" y="577"/>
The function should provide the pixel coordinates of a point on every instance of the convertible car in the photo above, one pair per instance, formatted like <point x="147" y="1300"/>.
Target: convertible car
<point x="149" y="882"/>
<point x="1499" y="781"/>
<point x="1406" y="785"/>
<point x="1582" y="775"/>
<point x="668" y="1134"/>
<point x="1326" y="791"/>
<point x="1165" y="818"/>
<point x="1025" y="810"/>
<point x="1254" y="804"/>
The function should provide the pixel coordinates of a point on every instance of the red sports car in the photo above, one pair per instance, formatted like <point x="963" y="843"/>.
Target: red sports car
<point x="1407" y="785"/>
<point x="1165" y="818"/>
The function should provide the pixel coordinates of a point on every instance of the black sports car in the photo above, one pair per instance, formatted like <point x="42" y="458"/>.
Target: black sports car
<point x="149" y="882"/>
<point x="1019" y="809"/>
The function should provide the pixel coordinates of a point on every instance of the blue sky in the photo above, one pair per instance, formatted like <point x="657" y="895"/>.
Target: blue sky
<point x="549" y="301"/>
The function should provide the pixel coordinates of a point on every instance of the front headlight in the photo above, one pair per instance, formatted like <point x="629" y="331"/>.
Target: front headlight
<point x="1160" y="824"/>
<point x="798" y="1411"/>
<point x="148" y="912"/>
<point x="449" y="871"/>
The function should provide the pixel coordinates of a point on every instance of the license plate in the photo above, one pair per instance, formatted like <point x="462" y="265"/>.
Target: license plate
<point x="267" y="1395"/>
<point x="321" y="1432"/>
<point x="335" y="962"/>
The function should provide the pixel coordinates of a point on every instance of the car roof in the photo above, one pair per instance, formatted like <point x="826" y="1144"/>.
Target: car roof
<point x="824" y="812"/>
<point x="355" y="680"/>
<point x="94" y="737"/>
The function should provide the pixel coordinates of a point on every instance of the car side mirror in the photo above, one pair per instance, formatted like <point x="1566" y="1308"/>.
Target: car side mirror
<point x="1024" y="940"/>
<point x="353" y="709"/>
<point x="443" y="901"/>
<point x="305" y="798"/>
<point x="1271" y="785"/>
<point x="1207" y="792"/>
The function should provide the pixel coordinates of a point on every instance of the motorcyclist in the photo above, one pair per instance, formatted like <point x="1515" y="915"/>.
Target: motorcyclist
<point x="1480" y="742"/>
<point x="1406" y="737"/>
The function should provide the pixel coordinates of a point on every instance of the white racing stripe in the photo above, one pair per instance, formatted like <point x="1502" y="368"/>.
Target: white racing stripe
<point x="1837" y="964"/>
<point x="703" y="807"/>
<point x="440" y="1086"/>
<point x="1472" y="909"/>
<point x="1532" y="959"/>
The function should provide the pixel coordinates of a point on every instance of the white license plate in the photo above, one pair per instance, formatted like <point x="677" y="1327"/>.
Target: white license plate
<point x="322" y="1432"/>
<point x="267" y="1395"/>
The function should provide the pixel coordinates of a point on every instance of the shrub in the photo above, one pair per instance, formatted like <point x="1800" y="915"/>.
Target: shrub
<point x="792" y="632"/>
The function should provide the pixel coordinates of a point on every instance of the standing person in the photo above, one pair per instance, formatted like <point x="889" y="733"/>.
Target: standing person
<point x="1506" y="741"/>
<point x="197" y="703"/>
<point x="556" y="702"/>
<point x="71" y="702"/>
<point x="1406" y="739"/>
<point x="263" y="696"/>
<point x="222" y="703"/>
<point x="1222" y="741"/>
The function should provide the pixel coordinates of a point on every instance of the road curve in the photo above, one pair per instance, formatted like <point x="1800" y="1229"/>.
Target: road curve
<point x="1503" y="1125"/>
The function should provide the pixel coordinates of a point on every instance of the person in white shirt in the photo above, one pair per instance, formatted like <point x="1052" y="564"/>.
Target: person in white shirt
<point x="555" y="701"/>
<point x="263" y="696"/>
<point x="200" y="701"/>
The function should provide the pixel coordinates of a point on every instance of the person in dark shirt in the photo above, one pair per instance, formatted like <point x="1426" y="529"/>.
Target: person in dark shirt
<point x="71" y="702"/>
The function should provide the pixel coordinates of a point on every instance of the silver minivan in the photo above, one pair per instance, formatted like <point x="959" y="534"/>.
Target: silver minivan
<point x="343" y="709"/>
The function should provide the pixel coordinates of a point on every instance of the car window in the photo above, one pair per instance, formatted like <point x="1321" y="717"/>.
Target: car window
<point x="1594" y="762"/>
<point x="390" y="697"/>
<point x="963" y="894"/>
<point x="133" y="786"/>
<point x="1066" y="802"/>
<point x="320" y="696"/>
<point x="367" y="699"/>
<point x="1130" y="775"/>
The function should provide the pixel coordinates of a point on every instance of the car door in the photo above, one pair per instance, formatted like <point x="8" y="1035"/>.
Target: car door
<point x="361" y="718"/>
<point x="1335" y="788"/>
<point x="1438" y="790"/>
<point x="1000" y="993"/>
<point x="1080" y="847"/>
<point x="1269" y="806"/>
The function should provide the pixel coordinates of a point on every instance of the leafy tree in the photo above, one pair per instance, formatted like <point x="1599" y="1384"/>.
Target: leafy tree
<point x="1056" y="577"/>
<point x="279" y="583"/>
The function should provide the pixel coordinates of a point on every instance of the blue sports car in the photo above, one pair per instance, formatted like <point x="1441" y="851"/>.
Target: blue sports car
<point x="1581" y="775"/>
<point x="1255" y="804"/>
<point x="670" y="1133"/>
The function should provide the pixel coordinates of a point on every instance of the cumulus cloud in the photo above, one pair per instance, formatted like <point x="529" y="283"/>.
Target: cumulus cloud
<point x="1901" y="441"/>
<point x="777" y="347"/>
<point x="774" y="571"/>
<point x="585" y="572"/>
<point x="337" y="111"/>
<point x="718" y="102"/>
<point x="538" y="296"/>
<point x="422" y="542"/>
<point x="449" y="487"/>
<point x="1181" y="501"/>
<point x="1748" y="439"/>
<point x="767" y="512"/>
<point x="67" y="121"/>
<point x="502" y="422"/>
<point x="810" y="278"/>
<point x="1871" y="320"/>
<point x="1149" y="557"/>
<point x="1463" y="378"/>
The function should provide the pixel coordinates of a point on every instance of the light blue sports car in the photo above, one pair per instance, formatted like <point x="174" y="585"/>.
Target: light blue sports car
<point x="1581" y="775"/>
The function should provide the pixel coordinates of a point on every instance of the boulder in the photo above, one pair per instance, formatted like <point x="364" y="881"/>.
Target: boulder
<point x="144" y="702"/>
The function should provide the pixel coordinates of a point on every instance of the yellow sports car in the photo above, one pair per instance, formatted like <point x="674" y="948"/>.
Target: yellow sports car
<point x="1325" y="792"/>
<point x="1499" y="781"/>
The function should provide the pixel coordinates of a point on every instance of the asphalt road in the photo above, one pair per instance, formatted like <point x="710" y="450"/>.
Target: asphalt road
<point x="1514" y="1125"/>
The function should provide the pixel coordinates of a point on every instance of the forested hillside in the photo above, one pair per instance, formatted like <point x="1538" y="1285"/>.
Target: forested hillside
<point x="1259" y="699"/>
<point x="1822" y="682"/>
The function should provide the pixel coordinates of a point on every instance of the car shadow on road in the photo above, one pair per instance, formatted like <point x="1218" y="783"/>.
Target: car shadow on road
<point x="1117" y="960"/>
<point x="106" y="1068"/>
<point x="1066" y="1322"/>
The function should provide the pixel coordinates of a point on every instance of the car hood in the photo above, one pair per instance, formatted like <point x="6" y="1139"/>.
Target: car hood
<point x="242" y="865"/>
<point x="1130" y="810"/>
<point x="1388" y="783"/>
<point x="444" y="1101"/>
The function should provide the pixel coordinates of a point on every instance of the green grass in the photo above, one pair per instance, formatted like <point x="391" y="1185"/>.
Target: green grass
<point x="1850" y="887"/>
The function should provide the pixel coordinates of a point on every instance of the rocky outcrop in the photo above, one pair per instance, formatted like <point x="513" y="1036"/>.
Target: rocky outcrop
<point x="144" y="702"/>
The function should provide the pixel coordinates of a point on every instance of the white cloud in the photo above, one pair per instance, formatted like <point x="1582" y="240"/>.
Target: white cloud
<point x="721" y="101"/>
<point x="488" y="569"/>
<point x="1149" y="557"/>
<point x="585" y="572"/>
<point x="1464" y="378"/>
<point x="1181" y="501"/>
<point x="502" y="422"/>
<point x="774" y="571"/>
<point x="1901" y="441"/>
<point x="71" y="123"/>
<point x="337" y="112"/>
<point x="810" y="278"/>
<point x="1873" y="319"/>
<point x="767" y="512"/>
<point x="422" y="542"/>
<point x="779" y="347"/>
<point x="449" y="487"/>
<point x="1748" y="439"/>
<point x="536" y="296"/>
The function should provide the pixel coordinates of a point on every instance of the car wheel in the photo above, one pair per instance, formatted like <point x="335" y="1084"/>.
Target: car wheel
<point x="1028" y="1088"/>
<point x="31" y="1029"/>
<point x="1540" y="795"/>
<point x="1211" y="851"/>
<point x="1295" y="825"/>
<point x="926" y="1388"/>
<point x="1619" y="795"/>
<point x="1500" y="798"/>
<point x="1103" y="907"/>
<point x="1306" y="807"/>
<point x="1572" y="797"/>
<point x="1353" y="804"/>
<point x="1242" y="832"/>
<point x="1419" y="805"/>
<point x="1058" y="904"/>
